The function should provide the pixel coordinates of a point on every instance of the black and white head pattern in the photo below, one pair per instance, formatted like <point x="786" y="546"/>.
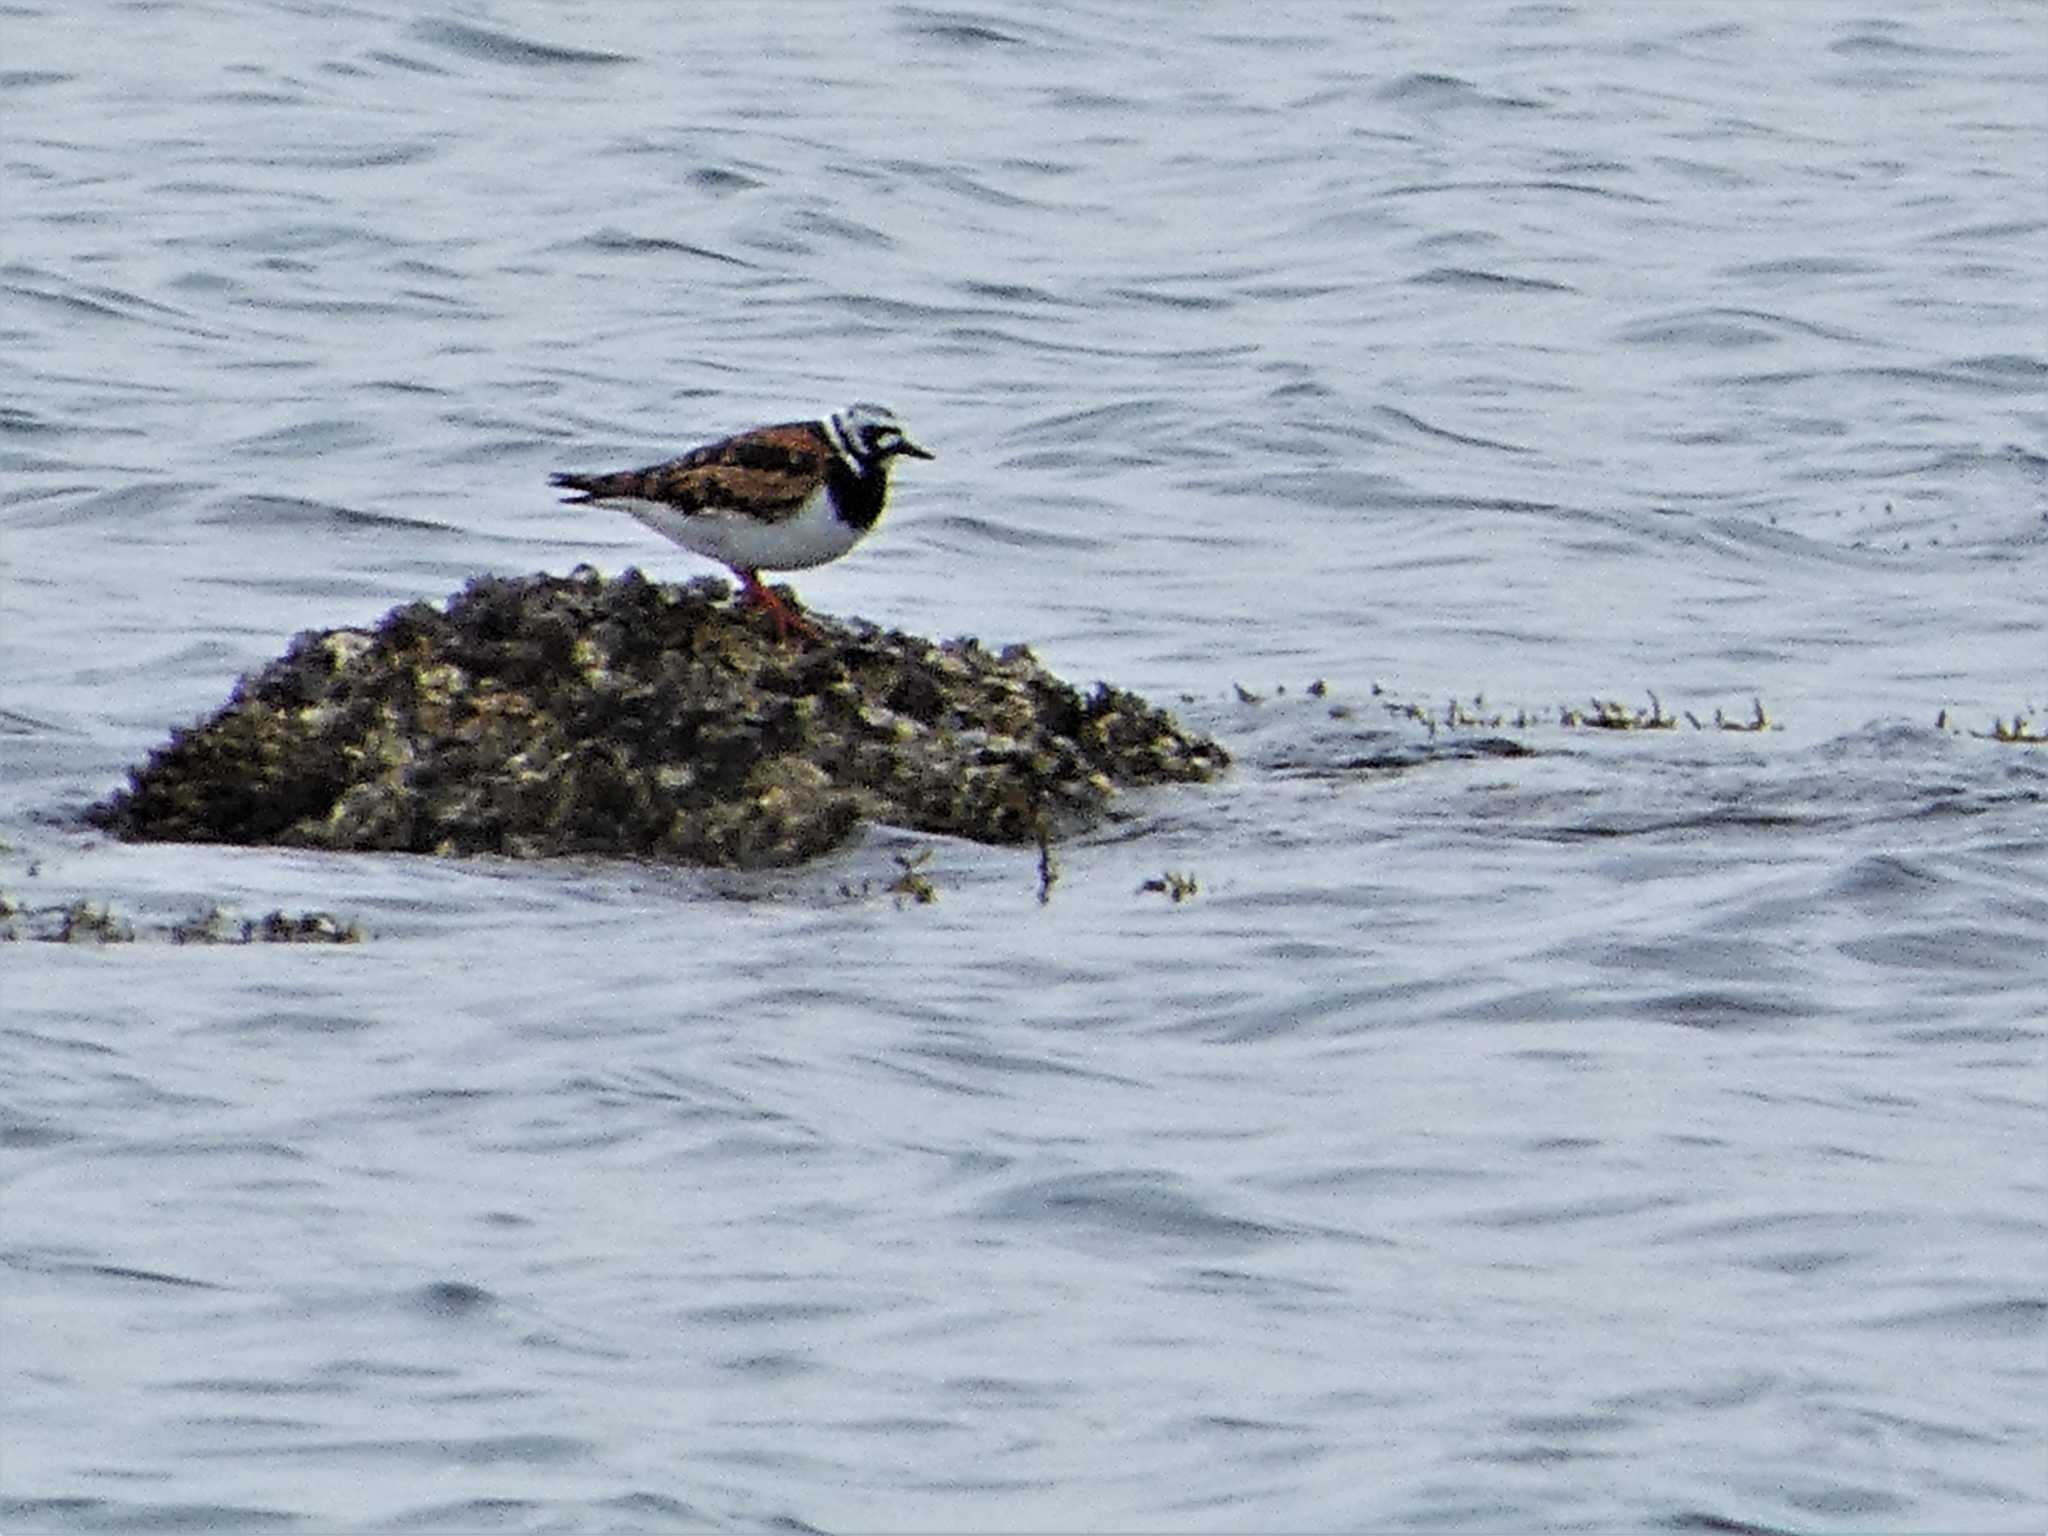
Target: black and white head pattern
<point x="867" y="437"/>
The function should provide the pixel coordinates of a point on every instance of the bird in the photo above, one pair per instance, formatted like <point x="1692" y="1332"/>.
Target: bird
<point x="783" y="497"/>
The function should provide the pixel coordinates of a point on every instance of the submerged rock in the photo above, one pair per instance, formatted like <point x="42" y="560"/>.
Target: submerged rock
<point x="573" y="715"/>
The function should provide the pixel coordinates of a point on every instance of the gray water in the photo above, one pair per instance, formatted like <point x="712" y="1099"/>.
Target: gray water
<point x="1644" y="1134"/>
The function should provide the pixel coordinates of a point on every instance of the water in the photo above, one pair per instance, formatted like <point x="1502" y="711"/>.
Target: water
<point x="1642" y="1134"/>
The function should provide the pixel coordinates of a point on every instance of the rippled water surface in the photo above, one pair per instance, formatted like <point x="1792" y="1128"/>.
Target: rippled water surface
<point x="1641" y="1133"/>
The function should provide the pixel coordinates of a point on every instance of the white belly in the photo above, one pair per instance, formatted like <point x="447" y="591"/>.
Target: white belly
<point x="812" y="537"/>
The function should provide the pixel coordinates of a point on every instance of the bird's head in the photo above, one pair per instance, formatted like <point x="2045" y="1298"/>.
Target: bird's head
<point x="869" y="436"/>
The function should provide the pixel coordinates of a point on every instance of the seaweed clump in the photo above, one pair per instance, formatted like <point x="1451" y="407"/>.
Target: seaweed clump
<point x="551" y="715"/>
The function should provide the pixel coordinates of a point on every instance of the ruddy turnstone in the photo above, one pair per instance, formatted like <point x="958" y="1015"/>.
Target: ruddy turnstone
<point x="780" y="498"/>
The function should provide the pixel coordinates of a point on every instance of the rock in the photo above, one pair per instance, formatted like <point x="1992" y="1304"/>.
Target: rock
<point x="573" y="715"/>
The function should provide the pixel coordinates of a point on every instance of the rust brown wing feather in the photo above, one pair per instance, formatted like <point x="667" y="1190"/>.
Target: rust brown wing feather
<point x="769" y="472"/>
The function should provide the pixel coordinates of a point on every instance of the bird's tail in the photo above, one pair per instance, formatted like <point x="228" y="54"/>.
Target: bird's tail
<point x="591" y="486"/>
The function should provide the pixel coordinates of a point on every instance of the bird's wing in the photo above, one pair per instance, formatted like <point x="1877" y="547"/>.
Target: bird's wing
<point x="769" y="472"/>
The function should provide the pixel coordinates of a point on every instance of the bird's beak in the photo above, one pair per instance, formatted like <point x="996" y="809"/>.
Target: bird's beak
<point x="905" y="445"/>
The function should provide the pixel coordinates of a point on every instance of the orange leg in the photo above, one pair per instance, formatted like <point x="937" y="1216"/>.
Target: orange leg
<point x="788" y="620"/>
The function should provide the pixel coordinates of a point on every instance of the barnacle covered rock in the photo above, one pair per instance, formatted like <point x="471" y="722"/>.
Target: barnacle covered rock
<point x="574" y="715"/>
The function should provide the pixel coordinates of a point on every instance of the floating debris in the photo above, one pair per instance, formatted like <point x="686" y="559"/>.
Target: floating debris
<point x="86" y="922"/>
<point x="910" y="882"/>
<point x="1048" y="867"/>
<point x="574" y="715"/>
<point x="1757" y="721"/>
<point x="1602" y="714"/>
<point x="2020" y="732"/>
<point x="1613" y="715"/>
<point x="216" y="926"/>
<point x="1178" y="887"/>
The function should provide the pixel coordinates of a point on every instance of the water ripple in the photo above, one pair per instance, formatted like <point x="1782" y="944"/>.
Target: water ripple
<point x="491" y="46"/>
